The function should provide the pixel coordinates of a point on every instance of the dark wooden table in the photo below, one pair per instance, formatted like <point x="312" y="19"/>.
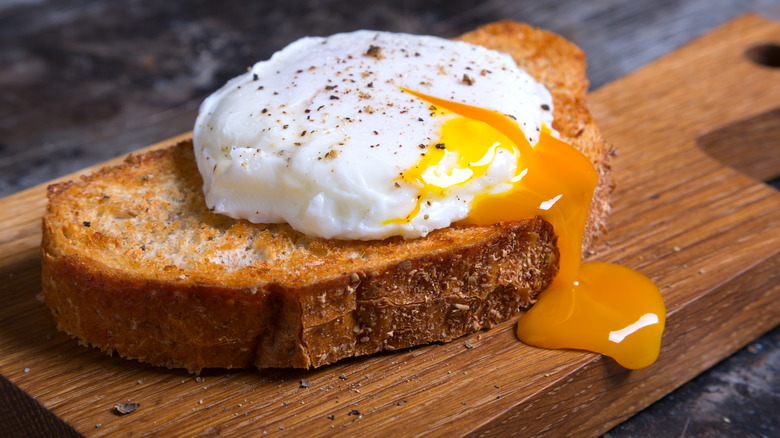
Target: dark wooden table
<point x="84" y="81"/>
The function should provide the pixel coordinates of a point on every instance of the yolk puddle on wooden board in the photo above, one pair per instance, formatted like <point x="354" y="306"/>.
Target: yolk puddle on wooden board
<point x="600" y="307"/>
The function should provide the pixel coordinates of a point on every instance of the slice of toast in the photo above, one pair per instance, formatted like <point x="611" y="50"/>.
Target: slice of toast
<point x="134" y="262"/>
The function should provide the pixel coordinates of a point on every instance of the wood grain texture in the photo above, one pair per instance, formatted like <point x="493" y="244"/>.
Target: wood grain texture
<point x="707" y="234"/>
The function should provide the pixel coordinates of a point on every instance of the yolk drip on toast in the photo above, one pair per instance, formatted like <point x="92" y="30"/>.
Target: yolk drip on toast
<point x="600" y="307"/>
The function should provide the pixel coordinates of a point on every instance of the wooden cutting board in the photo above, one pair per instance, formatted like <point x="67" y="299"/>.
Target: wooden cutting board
<point x="707" y="234"/>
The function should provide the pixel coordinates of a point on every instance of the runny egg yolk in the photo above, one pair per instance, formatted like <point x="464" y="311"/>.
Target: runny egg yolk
<point x="600" y="307"/>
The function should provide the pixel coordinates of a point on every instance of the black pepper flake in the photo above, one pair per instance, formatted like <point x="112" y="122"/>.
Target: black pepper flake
<point x="125" y="408"/>
<point x="440" y="146"/>
<point x="260" y="87"/>
<point x="330" y="87"/>
<point x="87" y="224"/>
<point x="420" y="119"/>
<point x="255" y="77"/>
<point x="370" y="85"/>
<point x="545" y="107"/>
<point x="374" y="52"/>
<point x="320" y="107"/>
<point x="285" y="126"/>
<point x="332" y="97"/>
<point x="354" y="412"/>
<point x="422" y="146"/>
<point x="303" y="133"/>
<point x="305" y="383"/>
<point x="331" y="417"/>
<point x="265" y="110"/>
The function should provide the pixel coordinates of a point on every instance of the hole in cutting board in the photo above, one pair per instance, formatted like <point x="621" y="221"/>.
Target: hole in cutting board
<point x="765" y="54"/>
<point x="751" y="146"/>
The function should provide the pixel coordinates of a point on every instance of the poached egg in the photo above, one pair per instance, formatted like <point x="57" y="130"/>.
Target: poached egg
<point x="329" y="136"/>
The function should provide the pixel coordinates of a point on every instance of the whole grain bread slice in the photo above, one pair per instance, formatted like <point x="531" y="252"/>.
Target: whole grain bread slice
<point x="134" y="263"/>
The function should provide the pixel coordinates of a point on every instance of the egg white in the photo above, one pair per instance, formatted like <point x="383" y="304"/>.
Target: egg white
<point x="318" y="135"/>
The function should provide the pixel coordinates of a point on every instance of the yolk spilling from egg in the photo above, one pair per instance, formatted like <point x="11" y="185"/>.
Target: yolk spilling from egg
<point x="600" y="307"/>
<point x="470" y="144"/>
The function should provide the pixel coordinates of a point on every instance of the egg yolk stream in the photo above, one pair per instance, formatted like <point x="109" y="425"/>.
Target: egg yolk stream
<point x="600" y="307"/>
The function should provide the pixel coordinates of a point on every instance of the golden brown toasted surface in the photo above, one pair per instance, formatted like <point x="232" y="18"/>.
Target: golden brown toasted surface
<point x="133" y="262"/>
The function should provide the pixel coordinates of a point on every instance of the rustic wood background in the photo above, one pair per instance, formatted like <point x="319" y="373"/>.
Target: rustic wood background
<point x="82" y="82"/>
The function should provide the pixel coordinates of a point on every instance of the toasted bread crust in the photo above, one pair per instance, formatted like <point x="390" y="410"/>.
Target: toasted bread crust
<point x="133" y="262"/>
